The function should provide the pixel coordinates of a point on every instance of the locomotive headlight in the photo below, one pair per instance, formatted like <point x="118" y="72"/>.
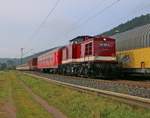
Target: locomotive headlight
<point x="104" y="39"/>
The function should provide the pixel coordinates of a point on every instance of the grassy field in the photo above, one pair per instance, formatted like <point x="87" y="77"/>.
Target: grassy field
<point x="81" y="105"/>
<point x="22" y="104"/>
<point x="72" y="103"/>
<point x="4" y="93"/>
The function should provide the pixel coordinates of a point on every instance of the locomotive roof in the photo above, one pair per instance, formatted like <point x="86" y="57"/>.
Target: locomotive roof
<point x="40" y="53"/>
<point x="50" y="50"/>
<point x="79" y="38"/>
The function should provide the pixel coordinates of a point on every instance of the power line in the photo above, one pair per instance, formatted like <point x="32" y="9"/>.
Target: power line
<point x="45" y="19"/>
<point x="122" y="19"/>
<point x="92" y="9"/>
<point x="29" y="51"/>
<point x="95" y="15"/>
<point x="82" y="17"/>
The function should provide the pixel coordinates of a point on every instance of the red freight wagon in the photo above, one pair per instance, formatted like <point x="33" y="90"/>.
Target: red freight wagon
<point x="50" y="60"/>
<point x="98" y="49"/>
<point x="71" y="53"/>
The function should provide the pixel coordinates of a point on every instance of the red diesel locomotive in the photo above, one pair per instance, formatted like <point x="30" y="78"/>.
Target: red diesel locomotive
<point x="84" y="56"/>
<point x="89" y="56"/>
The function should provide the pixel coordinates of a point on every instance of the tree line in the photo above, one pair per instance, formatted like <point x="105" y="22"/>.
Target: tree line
<point x="9" y="64"/>
<point x="136" y="22"/>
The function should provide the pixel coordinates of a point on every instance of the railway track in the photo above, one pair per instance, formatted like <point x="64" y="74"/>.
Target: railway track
<point x="134" y="88"/>
<point x="85" y="85"/>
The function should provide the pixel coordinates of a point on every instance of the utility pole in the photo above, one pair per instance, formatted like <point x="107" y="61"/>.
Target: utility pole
<point x="21" y="55"/>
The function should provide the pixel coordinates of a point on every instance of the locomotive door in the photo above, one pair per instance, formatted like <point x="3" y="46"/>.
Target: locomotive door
<point x="142" y="65"/>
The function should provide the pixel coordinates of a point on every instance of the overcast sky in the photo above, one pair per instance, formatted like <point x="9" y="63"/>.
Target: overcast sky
<point x="20" y="18"/>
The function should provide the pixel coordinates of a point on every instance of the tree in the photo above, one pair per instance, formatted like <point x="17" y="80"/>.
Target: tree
<point x="10" y="64"/>
<point x="136" y="22"/>
<point x="3" y="66"/>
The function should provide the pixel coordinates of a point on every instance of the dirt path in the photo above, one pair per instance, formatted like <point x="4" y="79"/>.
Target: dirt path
<point x="9" y="109"/>
<point x="11" y="105"/>
<point x="52" y="110"/>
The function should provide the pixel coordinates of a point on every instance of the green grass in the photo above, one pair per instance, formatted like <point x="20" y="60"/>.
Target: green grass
<point x="81" y="105"/>
<point x="25" y="105"/>
<point x="4" y="93"/>
<point x="4" y="87"/>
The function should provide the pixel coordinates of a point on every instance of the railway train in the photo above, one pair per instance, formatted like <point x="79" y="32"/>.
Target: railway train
<point x="88" y="56"/>
<point x="98" y="55"/>
<point x="30" y="65"/>
<point x="133" y="50"/>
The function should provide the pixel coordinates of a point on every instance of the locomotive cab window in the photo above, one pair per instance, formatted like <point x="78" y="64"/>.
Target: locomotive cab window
<point x="88" y="49"/>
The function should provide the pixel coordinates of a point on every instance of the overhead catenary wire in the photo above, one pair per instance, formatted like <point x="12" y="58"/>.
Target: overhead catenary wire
<point x="136" y="9"/>
<point x="26" y="53"/>
<point x="45" y="19"/>
<point x="95" y="15"/>
<point x="36" y="32"/>
<point x="88" y="19"/>
<point x="86" y="14"/>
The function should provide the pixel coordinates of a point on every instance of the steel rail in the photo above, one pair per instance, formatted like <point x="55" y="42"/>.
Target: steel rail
<point x="128" y="99"/>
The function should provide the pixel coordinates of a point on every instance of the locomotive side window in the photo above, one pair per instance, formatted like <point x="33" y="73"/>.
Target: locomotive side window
<point x="88" y="49"/>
